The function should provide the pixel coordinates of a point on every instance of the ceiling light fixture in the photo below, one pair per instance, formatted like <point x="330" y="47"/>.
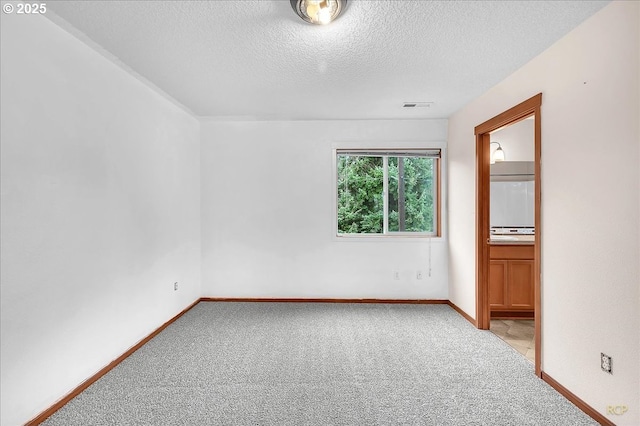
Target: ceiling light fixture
<point x="498" y="154"/>
<point x="319" y="12"/>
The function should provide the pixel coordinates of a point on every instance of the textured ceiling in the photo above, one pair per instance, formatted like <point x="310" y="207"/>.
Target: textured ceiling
<point x="259" y="60"/>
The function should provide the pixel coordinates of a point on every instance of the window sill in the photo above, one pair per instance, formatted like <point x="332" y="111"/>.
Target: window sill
<point x="388" y="237"/>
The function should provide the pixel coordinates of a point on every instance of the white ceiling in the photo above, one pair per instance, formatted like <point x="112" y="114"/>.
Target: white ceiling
<point x="258" y="60"/>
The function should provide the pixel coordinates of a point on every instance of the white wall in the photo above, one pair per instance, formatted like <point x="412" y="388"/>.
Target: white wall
<point x="590" y="204"/>
<point x="100" y="213"/>
<point x="268" y="214"/>
<point x="517" y="141"/>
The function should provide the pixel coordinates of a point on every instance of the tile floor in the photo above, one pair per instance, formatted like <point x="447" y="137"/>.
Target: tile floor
<point x="519" y="334"/>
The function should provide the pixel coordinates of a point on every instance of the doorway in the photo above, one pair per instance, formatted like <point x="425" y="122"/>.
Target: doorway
<point x="498" y="265"/>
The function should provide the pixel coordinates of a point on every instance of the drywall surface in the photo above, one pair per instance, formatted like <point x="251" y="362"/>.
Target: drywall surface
<point x="590" y="204"/>
<point x="269" y="214"/>
<point x="517" y="140"/>
<point x="100" y="213"/>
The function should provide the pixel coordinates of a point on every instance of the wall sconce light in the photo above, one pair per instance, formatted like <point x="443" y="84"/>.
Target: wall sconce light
<point x="319" y="12"/>
<point x="498" y="154"/>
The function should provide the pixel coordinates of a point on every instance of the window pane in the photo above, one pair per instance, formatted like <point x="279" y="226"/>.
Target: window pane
<point x="411" y="194"/>
<point x="360" y="194"/>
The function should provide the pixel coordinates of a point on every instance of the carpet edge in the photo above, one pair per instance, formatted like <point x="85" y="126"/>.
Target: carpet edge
<point x="44" y="415"/>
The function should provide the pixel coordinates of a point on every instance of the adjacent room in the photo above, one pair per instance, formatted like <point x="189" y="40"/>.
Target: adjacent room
<point x="320" y="212"/>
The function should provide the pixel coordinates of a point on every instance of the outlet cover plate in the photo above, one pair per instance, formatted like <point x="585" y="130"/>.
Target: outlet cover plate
<point x="606" y="363"/>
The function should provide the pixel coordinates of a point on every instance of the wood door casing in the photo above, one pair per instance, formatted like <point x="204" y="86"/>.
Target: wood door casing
<point x="530" y="107"/>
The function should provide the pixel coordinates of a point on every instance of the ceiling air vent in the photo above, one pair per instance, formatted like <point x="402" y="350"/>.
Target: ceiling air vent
<point x="417" y="104"/>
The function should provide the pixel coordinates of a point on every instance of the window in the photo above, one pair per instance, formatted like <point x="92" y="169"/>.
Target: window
<point x="387" y="192"/>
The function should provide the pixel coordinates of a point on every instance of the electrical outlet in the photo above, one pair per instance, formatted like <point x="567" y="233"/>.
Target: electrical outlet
<point x="396" y="275"/>
<point x="606" y="363"/>
<point x="175" y="286"/>
<point x="419" y="275"/>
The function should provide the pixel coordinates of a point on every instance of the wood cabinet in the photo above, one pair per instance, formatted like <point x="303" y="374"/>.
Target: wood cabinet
<point x="511" y="280"/>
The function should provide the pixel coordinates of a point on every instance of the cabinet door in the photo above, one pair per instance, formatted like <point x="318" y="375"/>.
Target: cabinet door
<point x="520" y="284"/>
<point x="497" y="284"/>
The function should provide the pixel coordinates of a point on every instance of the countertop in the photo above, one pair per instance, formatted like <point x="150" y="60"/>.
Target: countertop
<point x="512" y="240"/>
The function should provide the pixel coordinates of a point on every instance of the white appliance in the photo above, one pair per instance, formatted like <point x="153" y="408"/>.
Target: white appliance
<point x="512" y="207"/>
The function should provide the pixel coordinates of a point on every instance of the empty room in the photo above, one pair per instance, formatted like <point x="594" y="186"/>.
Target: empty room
<point x="320" y="212"/>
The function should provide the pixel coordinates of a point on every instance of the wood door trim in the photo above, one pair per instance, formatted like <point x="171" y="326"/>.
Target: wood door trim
<point x="537" y="269"/>
<point x="483" y="141"/>
<point x="510" y="116"/>
<point x="519" y="112"/>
